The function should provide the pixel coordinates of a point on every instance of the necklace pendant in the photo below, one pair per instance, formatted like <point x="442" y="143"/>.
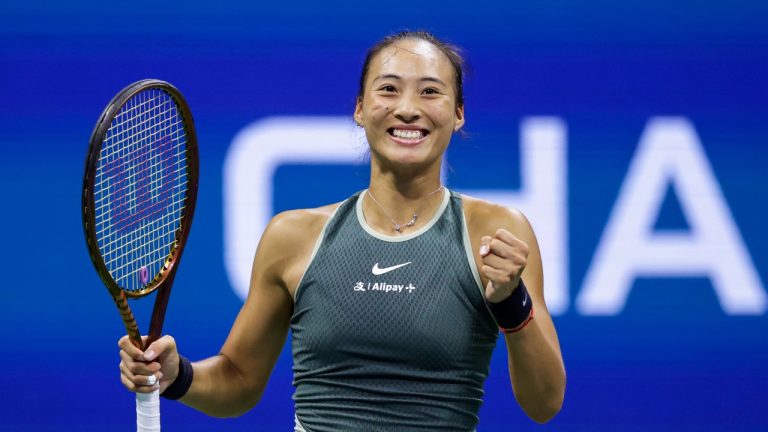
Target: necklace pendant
<point x="398" y="227"/>
<point x="412" y="221"/>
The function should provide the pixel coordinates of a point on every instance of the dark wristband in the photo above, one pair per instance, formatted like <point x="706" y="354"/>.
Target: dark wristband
<point x="183" y="380"/>
<point x="515" y="311"/>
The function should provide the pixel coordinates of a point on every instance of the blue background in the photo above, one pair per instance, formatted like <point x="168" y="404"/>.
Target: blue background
<point x="672" y="360"/>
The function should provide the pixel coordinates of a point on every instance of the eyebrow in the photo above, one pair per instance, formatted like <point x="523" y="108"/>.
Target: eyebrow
<point x="399" y="78"/>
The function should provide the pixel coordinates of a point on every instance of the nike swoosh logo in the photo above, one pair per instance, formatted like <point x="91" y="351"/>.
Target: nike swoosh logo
<point x="380" y="271"/>
<point x="525" y="300"/>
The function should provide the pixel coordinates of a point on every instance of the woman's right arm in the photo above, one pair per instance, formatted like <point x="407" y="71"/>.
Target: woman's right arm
<point x="232" y="382"/>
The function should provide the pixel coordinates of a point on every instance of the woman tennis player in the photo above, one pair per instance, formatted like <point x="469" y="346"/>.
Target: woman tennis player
<point x="394" y="296"/>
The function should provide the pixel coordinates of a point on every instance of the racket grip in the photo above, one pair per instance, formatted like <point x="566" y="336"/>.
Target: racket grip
<point x="148" y="411"/>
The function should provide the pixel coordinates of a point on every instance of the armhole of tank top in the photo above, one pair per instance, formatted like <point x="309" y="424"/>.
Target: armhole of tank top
<point x="318" y="243"/>
<point x="297" y="426"/>
<point x="471" y="260"/>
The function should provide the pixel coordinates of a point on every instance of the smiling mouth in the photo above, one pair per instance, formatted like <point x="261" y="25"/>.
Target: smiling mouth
<point x="408" y="134"/>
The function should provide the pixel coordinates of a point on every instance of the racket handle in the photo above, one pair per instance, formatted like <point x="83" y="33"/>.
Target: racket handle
<point x="148" y="411"/>
<point x="128" y="320"/>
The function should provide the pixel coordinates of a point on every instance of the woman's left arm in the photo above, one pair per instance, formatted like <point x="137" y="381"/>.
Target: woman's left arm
<point x="508" y="252"/>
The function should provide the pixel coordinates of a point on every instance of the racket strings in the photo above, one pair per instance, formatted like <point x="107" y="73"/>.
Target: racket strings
<point x="142" y="253"/>
<point x="134" y="130"/>
<point x="103" y="202"/>
<point x="141" y="187"/>
<point x="139" y="152"/>
<point x="118" y="240"/>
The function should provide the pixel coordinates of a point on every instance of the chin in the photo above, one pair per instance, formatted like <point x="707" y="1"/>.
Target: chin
<point x="411" y="160"/>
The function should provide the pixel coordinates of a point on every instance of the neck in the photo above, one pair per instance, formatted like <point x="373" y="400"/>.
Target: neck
<point x="395" y="197"/>
<point x="403" y="183"/>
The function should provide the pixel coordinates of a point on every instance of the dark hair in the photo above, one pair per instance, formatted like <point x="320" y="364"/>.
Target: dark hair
<point x="451" y="51"/>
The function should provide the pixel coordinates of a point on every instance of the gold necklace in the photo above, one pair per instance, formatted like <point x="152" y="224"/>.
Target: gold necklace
<point x="399" y="227"/>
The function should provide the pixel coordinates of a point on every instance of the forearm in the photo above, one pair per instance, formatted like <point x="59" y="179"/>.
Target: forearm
<point x="536" y="370"/>
<point x="220" y="389"/>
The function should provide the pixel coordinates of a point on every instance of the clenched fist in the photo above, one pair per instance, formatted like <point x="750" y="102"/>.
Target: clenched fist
<point x="504" y="257"/>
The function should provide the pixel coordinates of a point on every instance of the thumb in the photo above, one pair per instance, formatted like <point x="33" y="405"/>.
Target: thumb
<point x="159" y="348"/>
<point x="485" y="245"/>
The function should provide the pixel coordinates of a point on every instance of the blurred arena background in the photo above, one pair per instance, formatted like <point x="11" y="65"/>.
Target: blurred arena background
<point x="634" y="135"/>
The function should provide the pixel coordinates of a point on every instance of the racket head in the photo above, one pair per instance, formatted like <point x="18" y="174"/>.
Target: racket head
<point x="140" y="187"/>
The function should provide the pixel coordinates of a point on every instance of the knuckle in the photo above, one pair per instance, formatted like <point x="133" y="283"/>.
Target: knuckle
<point x="126" y="372"/>
<point x="128" y="384"/>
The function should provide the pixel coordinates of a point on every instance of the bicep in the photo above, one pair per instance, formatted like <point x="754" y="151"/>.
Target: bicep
<point x="260" y="329"/>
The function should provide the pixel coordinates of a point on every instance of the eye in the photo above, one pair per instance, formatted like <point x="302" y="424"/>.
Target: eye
<point x="430" y="91"/>
<point x="389" y="88"/>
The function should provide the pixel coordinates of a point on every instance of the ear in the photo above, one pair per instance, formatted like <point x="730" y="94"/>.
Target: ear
<point x="459" y="123"/>
<point x="359" y="112"/>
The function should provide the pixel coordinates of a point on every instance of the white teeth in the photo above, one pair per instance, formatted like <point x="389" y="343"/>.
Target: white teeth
<point x="407" y="134"/>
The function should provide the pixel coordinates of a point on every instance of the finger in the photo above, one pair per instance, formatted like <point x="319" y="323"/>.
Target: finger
<point x="139" y="367"/>
<point x="507" y="246"/>
<point x="130" y="385"/>
<point x="126" y="345"/>
<point x="485" y="245"/>
<point x="140" y="370"/>
<point x="499" y="249"/>
<point x="127" y="383"/>
<point x="502" y="264"/>
<point x="496" y="276"/>
<point x="160" y="348"/>
<point x="510" y="239"/>
<point x="140" y="383"/>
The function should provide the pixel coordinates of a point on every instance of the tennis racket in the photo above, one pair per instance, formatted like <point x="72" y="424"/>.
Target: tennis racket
<point x="139" y="193"/>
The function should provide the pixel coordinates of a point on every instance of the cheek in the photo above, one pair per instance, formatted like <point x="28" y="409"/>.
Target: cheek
<point x="378" y="109"/>
<point x="444" y="114"/>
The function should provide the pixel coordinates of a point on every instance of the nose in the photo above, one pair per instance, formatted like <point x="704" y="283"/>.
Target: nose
<point x="407" y="109"/>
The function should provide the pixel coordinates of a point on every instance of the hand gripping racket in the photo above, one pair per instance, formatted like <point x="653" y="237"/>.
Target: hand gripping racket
<point x="139" y="194"/>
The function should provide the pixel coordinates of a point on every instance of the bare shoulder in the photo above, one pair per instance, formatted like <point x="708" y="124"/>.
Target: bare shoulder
<point x="301" y="221"/>
<point x="286" y="247"/>
<point x="485" y="217"/>
<point x="294" y="228"/>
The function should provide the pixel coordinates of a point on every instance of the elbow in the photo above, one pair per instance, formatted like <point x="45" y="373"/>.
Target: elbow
<point x="250" y="398"/>
<point x="244" y="393"/>
<point x="545" y="407"/>
<point x="233" y="410"/>
<point x="242" y="400"/>
<point x="546" y="411"/>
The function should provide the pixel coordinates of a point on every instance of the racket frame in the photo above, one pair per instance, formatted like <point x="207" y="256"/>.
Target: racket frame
<point x="163" y="281"/>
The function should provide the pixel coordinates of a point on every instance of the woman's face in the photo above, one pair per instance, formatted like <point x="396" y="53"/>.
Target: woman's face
<point x="408" y="108"/>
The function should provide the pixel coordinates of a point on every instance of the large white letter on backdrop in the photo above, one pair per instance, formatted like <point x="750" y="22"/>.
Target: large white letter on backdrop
<point x="669" y="153"/>
<point x="249" y="167"/>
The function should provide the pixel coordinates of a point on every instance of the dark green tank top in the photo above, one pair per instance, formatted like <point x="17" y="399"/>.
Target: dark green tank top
<point x="391" y="333"/>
